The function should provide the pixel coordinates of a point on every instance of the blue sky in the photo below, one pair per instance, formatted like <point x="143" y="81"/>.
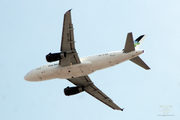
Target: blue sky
<point x="31" y="29"/>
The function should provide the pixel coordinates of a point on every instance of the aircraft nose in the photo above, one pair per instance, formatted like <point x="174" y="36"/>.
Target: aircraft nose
<point x="27" y="76"/>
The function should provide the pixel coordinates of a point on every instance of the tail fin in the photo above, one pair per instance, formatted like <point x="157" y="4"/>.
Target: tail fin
<point x="134" y="45"/>
<point x="138" y="41"/>
<point x="129" y="46"/>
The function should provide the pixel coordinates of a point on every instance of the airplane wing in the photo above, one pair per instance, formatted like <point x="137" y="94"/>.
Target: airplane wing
<point x="67" y="42"/>
<point x="90" y="88"/>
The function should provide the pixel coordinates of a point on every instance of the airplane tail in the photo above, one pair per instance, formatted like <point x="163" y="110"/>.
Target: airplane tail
<point x="138" y="41"/>
<point x="132" y="46"/>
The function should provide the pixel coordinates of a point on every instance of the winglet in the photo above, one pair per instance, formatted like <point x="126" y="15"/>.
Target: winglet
<point x="121" y="109"/>
<point x="129" y="46"/>
<point x="70" y="9"/>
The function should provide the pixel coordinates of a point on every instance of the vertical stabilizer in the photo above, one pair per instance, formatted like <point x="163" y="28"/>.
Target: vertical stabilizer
<point x="129" y="46"/>
<point x="138" y="41"/>
<point x="132" y="45"/>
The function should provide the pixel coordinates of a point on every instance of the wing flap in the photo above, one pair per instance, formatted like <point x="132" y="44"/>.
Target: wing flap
<point x="67" y="33"/>
<point x="98" y="94"/>
<point x="68" y="43"/>
<point x="90" y="88"/>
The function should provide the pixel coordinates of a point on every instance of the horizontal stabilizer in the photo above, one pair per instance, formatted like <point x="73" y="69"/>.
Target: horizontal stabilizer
<point x="137" y="60"/>
<point x="129" y="46"/>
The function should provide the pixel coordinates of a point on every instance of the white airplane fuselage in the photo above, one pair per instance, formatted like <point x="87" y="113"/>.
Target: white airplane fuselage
<point x="87" y="66"/>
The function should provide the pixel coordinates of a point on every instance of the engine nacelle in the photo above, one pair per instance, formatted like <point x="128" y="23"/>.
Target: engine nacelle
<point x="73" y="90"/>
<point x="51" y="57"/>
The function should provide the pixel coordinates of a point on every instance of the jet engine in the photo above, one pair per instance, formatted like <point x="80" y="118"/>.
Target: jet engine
<point x="73" y="90"/>
<point x="51" y="57"/>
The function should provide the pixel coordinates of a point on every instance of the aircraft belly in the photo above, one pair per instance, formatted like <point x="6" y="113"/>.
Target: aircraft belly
<point x="75" y="70"/>
<point x="85" y="68"/>
<point x="47" y="74"/>
<point x="105" y="62"/>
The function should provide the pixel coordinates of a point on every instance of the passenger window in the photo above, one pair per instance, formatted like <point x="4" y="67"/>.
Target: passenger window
<point x="38" y="68"/>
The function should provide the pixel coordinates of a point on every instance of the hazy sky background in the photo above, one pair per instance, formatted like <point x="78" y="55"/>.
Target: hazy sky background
<point x="30" y="29"/>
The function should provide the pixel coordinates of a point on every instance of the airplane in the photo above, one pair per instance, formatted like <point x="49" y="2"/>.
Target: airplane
<point x="69" y="66"/>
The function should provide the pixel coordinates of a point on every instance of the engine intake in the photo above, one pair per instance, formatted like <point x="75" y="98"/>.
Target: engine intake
<point x="73" y="90"/>
<point x="51" y="57"/>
